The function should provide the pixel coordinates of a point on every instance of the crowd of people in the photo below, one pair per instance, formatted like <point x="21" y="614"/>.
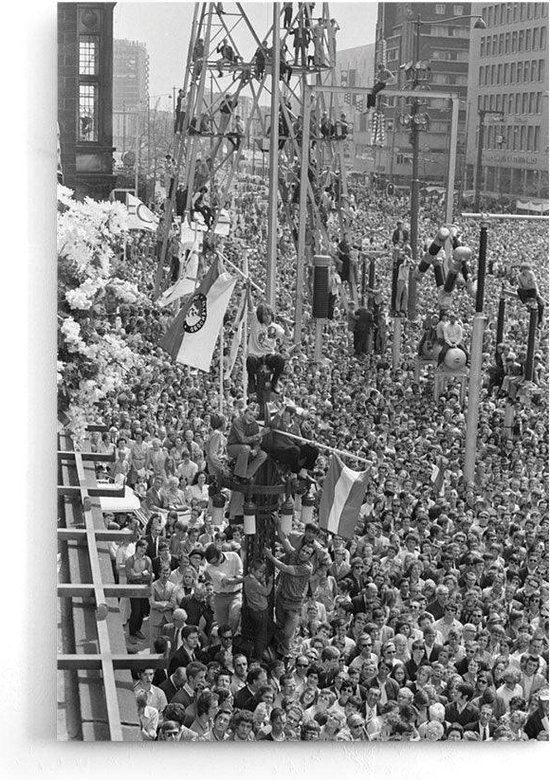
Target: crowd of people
<point x="431" y="623"/>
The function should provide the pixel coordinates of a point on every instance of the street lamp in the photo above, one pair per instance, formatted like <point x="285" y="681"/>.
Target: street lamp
<point x="482" y="114"/>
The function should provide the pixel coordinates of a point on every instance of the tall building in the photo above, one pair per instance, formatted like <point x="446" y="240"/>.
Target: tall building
<point x="440" y="33"/>
<point x="85" y="96"/>
<point x="509" y="74"/>
<point x="355" y="68"/>
<point x="130" y="91"/>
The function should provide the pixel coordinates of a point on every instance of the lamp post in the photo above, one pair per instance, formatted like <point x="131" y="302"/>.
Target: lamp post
<point x="482" y="113"/>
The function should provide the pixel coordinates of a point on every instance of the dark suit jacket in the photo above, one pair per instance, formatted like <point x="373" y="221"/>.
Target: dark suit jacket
<point x="474" y="726"/>
<point x="468" y="714"/>
<point x="391" y="686"/>
<point x="180" y="658"/>
<point x="169" y="688"/>
<point x="533" y="726"/>
<point x="195" y="610"/>
<point x="151" y="548"/>
<point x="435" y="609"/>
<point x="404" y="236"/>
<point x="432" y="654"/>
<point x="245" y="699"/>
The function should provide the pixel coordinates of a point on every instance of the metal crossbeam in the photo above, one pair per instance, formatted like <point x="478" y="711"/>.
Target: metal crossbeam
<point x="116" y="660"/>
<point x="77" y="590"/>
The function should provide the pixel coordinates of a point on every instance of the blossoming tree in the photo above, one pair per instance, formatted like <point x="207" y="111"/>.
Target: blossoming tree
<point x="93" y="356"/>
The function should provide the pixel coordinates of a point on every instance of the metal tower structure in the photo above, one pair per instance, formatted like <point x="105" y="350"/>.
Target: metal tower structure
<point x="231" y="71"/>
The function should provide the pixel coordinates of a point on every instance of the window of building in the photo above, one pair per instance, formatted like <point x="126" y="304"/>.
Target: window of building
<point x="506" y="73"/>
<point x="527" y="40"/>
<point x="499" y="103"/>
<point x="530" y="139"/>
<point x="522" y="11"/>
<point x="541" y="71"/>
<point x="522" y="138"/>
<point x="535" y="38"/>
<point x="501" y="43"/>
<point x="521" y="40"/>
<point x="507" y="43"/>
<point x="525" y="103"/>
<point x="495" y="45"/>
<point x="491" y="102"/>
<point x="502" y="13"/>
<point x="484" y="13"/>
<point x="538" y="102"/>
<point x="532" y="102"/>
<point x="499" y="74"/>
<point x="536" y="139"/>
<point x="520" y="72"/>
<point x="458" y="10"/>
<point x="515" y="137"/>
<point x="529" y="10"/>
<point x="513" y="73"/>
<point x="88" y="50"/>
<point x="510" y="104"/>
<point x="479" y="102"/>
<point x="533" y="70"/>
<point x="514" y="41"/>
<point x="509" y="137"/>
<point x="480" y="80"/>
<point x="508" y="13"/>
<point x="543" y="37"/>
<point x="440" y="9"/>
<point x="544" y="10"/>
<point x="481" y="47"/>
<point x="493" y="74"/>
<point x="87" y="112"/>
<point x="489" y="17"/>
<point x="518" y="103"/>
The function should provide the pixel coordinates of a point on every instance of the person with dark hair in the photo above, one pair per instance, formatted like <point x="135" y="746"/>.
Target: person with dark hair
<point x="186" y="653"/>
<point x="139" y="571"/>
<point x="242" y="727"/>
<point x="206" y="707"/>
<point x="243" y="445"/>
<point x="175" y="713"/>
<point x="262" y="345"/>
<point x="246" y="698"/>
<point x="256" y="589"/>
<point x="196" y="681"/>
<point x="460" y="710"/>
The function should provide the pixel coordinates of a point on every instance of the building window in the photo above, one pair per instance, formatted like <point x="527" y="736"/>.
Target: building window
<point x="527" y="40"/>
<point x="525" y="103"/>
<point x="536" y="139"/>
<point x="520" y="72"/>
<point x="88" y="50"/>
<point x="543" y="37"/>
<point x="518" y="103"/>
<point x="508" y="13"/>
<point x="482" y="47"/>
<point x="499" y="74"/>
<point x="544" y="10"/>
<point x="87" y="112"/>
<point x="535" y="38"/>
<point x="458" y="10"/>
<point x="480" y="80"/>
<point x="493" y="74"/>
<point x="440" y="9"/>
<point x="533" y="70"/>
<point x="512" y="73"/>
<point x="522" y="138"/>
<point x="501" y="43"/>
<point x="538" y="101"/>
<point x="529" y="10"/>
<point x="521" y="12"/>
<point x="532" y="98"/>
<point x="521" y="39"/>
<point x="510" y="104"/>
<point x="507" y="43"/>
<point x="506" y="73"/>
<point x="499" y="103"/>
<point x="541" y="70"/>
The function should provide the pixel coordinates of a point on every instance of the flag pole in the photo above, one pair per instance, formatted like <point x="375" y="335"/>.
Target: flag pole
<point x="220" y="405"/>
<point x="335" y="451"/>
<point x="245" y="323"/>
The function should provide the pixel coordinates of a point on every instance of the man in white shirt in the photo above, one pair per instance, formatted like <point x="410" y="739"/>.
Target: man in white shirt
<point x="225" y="571"/>
<point x="453" y="333"/>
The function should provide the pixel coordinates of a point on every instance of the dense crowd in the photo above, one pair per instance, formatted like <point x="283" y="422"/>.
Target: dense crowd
<point x="431" y="623"/>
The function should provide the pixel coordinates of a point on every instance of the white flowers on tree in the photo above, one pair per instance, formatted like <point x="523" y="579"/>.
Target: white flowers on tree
<point x="94" y="357"/>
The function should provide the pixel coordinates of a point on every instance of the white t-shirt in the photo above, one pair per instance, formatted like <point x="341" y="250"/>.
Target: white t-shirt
<point x="231" y="566"/>
<point x="263" y="338"/>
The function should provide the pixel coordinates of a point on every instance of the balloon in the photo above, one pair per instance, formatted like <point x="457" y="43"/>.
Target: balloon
<point x="455" y="359"/>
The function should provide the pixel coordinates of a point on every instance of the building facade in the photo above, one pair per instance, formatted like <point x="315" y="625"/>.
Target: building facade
<point x="355" y="68"/>
<point x="440" y="34"/>
<point x="85" y="97"/>
<point x="130" y="91"/>
<point x="509" y="74"/>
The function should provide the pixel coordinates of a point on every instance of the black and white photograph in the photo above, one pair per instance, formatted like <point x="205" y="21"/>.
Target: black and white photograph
<point x="302" y="374"/>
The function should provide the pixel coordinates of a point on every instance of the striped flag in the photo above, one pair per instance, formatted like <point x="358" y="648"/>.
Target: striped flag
<point x="341" y="499"/>
<point x="186" y="283"/>
<point x="438" y="477"/>
<point x="192" y="336"/>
